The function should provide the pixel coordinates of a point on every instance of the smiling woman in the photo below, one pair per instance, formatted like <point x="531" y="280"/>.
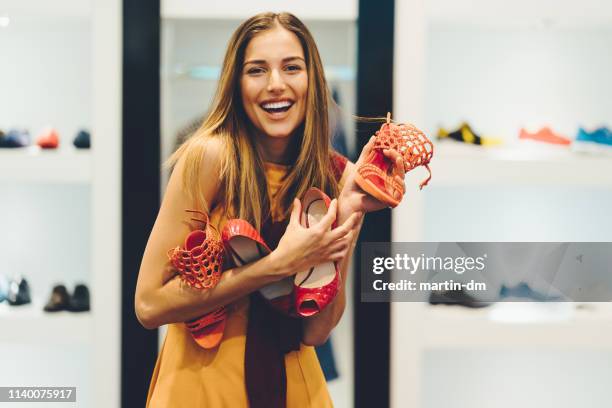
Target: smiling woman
<point x="264" y="144"/>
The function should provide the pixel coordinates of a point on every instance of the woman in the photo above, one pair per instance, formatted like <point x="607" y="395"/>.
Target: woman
<point x="263" y="145"/>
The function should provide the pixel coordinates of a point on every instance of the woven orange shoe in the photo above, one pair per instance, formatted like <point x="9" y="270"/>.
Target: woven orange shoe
<point x="545" y="135"/>
<point x="375" y="175"/>
<point x="199" y="265"/>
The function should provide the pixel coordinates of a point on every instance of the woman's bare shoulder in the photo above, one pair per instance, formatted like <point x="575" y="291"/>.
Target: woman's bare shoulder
<point x="198" y="170"/>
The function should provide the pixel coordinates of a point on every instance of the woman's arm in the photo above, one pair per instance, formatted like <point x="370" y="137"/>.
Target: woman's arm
<point x="352" y="200"/>
<point x="318" y="327"/>
<point x="161" y="296"/>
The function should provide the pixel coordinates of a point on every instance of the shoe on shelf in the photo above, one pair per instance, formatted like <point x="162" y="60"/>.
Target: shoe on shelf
<point x="524" y="291"/>
<point x="317" y="287"/>
<point x="199" y="263"/>
<point x="48" y="139"/>
<point x="456" y="298"/>
<point x="244" y="245"/>
<point x="465" y="134"/>
<point x="15" y="138"/>
<point x="4" y="288"/>
<point x="19" y="292"/>
<point x="545" y="135"/>
<point x="79" y="301"/>
<point x="597" y="141"/>
<point x="82" y="140"/>
<point x="59" y="300"/>
<point x="376" y="177"/>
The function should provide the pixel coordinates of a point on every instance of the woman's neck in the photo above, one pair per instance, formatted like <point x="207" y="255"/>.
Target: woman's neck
<point x="279" y="150"/>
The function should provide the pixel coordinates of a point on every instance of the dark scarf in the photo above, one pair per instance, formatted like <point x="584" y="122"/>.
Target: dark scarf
<point x="270" y="334"/>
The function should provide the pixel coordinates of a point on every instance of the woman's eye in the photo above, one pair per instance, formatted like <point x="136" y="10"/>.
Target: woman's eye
<point x="255" y="71"/>
<point x="293" y="68"/>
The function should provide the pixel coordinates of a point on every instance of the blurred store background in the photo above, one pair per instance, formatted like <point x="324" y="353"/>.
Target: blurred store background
<point x="96" y="94"/>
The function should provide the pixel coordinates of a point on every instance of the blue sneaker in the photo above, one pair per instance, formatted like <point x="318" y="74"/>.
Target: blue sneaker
<point x="523" y="291"/>
<point x="599" y="140"/>
<point x="4" y="288"/>
<point x="15" y="138"/>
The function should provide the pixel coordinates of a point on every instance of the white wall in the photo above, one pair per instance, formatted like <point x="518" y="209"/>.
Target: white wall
<point x="502" y="79"/>
<point x="499" y="71"/>
<point x="45" y="75"/>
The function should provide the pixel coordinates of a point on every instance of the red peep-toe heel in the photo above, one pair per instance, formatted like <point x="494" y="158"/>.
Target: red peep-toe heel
<point x="318" y="286"/>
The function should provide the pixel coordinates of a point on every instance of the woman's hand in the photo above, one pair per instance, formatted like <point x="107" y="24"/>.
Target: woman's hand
<point x="353" y="198"/>
<point x="302" y="248"/>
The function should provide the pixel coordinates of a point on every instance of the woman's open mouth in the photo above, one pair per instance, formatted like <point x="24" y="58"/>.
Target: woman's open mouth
<point x="276" y="107"/>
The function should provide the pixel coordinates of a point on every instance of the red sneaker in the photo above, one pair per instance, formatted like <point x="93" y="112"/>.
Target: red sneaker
<point x="374" y="176"/>
<point x="48" y="139"/>
<point x="545" y="135"/>
<point x="318" y="286"/>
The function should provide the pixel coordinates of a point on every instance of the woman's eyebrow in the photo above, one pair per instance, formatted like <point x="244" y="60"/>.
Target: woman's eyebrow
<point x="261" y="61"/>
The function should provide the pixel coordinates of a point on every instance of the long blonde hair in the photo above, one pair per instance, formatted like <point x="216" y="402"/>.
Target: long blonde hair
<point x="243" y="184"/>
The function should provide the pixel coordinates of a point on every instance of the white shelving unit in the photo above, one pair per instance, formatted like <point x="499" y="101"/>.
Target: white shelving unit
<point x="32" y="164"/>
<point x="457" y="164"/>
<point x="84" y="91"/>
<point x="501" y="91"/>
<point x="530" y="325"/>
<point x="29" y="325"/>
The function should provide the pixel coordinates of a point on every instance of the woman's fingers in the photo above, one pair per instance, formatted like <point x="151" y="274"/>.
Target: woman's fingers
<point x="337" y="246"/>
<point x="345" y="228"/>
<point x="366" y="149"/>
<point x="329" y="218"/>
<point x="295" y="212"/>
<point x="397" y="160"/>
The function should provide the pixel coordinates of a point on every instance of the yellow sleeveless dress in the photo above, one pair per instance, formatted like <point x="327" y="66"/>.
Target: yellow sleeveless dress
<point x="187" y="375"/>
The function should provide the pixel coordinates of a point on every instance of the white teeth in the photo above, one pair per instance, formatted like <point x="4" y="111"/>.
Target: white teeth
<point x="277" y="105"/>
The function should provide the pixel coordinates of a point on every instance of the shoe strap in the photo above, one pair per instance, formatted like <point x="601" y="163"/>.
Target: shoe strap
<point x="207" y="320"/>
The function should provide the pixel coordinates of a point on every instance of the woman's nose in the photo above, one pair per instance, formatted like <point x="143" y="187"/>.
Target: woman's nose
<point x="275" y="82"/>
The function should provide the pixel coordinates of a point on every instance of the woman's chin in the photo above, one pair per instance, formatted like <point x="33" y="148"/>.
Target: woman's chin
<point x="279" y="131"/>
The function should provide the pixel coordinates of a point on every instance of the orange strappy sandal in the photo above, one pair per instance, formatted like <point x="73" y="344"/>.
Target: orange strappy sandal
<point x="199" y="264"/>
<point x="374" y="175"/>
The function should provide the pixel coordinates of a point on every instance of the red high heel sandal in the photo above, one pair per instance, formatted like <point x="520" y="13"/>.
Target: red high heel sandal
<point x="416" y="149"/>
<point x="318" y="286"/>
<point x="199" y="265"/>
<point x="244" y="245"/>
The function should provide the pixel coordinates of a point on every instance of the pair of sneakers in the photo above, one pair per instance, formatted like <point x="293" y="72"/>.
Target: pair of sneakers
<point x="201" y="258"/>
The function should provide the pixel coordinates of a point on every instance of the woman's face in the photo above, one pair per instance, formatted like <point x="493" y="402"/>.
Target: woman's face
<point x="274" y="82"/>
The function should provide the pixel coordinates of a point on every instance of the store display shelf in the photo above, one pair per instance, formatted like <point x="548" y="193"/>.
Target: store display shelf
<point x="31" y="164"/>
<point x="455" y="164"/>
<point x="25" y="9"/>
<point x="544" y="14"/>
<point x="30" y="324"/>
<point x="309" y="10"/>
<point x="550" y="325"/>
